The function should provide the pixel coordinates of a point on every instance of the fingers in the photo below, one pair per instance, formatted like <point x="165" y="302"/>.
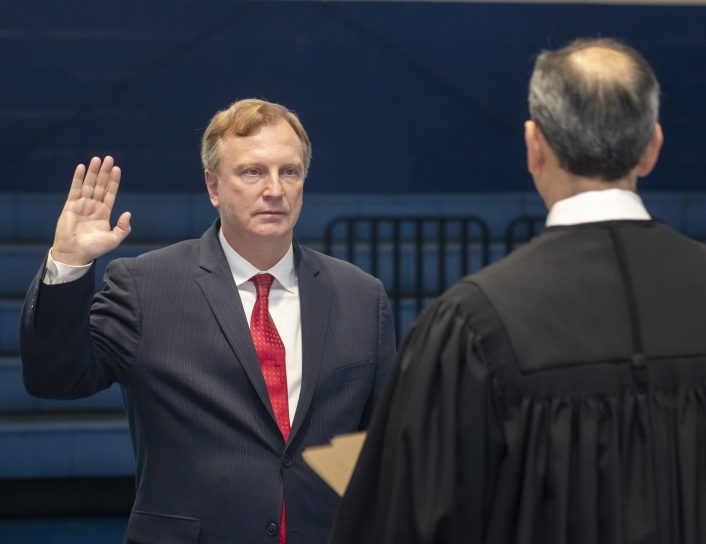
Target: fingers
<point x="89" y="180"/>
<point x="97" y="178"/>
<point x="111" y="189"/>
<point x="98" y="182"/>
<point x="77" y="182"/>
<point x="103" y="178"/>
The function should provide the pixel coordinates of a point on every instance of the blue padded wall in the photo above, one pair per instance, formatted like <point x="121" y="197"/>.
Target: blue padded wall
<point x="398" y="97"/>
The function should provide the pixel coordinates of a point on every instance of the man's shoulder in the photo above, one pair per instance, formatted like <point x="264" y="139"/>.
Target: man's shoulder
<point x="180" y="252"/>
<point x="334" y="267"/>
<point x="175" y="250"/>
<point x="662" y="233"/>
<point x="465" y="297"/>
<point x="530" y="255"/>
<point x="566" y="247"/>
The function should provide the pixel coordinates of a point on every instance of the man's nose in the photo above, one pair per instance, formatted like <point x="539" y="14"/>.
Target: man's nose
<point x="273" y="185"/>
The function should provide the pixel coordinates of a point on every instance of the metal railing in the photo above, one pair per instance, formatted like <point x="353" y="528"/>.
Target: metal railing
<point x="416" y="257"/>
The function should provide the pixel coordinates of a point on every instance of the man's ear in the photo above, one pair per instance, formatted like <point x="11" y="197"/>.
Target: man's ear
<point x="534" y="140"/>
<point x="212" y="187"/>
<point x="651" y="154"/>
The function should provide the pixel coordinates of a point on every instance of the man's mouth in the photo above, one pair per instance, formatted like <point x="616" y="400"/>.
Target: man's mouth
<point x="270" y="212"/>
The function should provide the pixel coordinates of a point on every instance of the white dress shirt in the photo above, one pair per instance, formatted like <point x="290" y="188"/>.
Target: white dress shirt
<point x="284" y="309"/>
<point x="283" y="304"/>
<point x="595" y="206"/>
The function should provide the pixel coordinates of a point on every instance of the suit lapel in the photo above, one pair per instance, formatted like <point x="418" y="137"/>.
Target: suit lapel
<point x="216" y="282"/>
<point x="314" y="301"/>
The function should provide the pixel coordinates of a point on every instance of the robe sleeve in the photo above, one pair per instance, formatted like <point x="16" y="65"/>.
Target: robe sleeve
<point x="427" y="469"/>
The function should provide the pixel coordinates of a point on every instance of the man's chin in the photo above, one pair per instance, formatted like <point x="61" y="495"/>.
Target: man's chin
<point x="274" y="232"/>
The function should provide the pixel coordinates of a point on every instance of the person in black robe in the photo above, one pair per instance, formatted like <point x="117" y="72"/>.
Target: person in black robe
<point x="559" y="395"/>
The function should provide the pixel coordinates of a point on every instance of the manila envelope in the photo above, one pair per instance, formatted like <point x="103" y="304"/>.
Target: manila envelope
<point x="335" y="462"/>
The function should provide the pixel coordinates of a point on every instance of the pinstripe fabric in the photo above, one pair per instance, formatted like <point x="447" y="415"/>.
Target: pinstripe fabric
<point x="169" y="326"/>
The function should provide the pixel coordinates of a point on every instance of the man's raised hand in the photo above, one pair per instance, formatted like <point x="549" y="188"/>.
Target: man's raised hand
<point x="83" y="231"/>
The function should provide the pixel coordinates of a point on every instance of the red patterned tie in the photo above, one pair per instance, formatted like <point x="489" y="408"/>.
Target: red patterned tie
<point x="270" y="352"/>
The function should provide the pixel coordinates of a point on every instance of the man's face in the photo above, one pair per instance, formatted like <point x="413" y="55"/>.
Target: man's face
<point x="258" y="184"/>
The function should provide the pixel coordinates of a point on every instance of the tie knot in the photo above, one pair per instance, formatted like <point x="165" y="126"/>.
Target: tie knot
<point x="263" y="282"/>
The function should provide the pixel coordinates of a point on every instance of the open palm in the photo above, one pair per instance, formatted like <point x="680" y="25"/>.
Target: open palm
<point x="83" y="232"/>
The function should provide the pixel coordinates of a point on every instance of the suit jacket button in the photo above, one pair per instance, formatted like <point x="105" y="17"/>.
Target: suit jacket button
<point x="287" y="462"/>
<point x="271" y="529"/>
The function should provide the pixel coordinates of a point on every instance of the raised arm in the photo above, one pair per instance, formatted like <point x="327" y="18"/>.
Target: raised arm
<point x="83" y="231"/>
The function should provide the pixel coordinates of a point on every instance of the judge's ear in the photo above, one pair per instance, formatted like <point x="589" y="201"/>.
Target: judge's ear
<point x="651" y="154"/>
<point x="534" y="140"/>
<point x="212" y="187"/>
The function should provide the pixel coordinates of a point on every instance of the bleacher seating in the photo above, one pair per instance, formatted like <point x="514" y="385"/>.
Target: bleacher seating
<point x="89" y="437"/>
<point x="85" y="438"/>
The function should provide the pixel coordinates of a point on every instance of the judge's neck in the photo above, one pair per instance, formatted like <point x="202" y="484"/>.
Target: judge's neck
<point x="566" y="185"/>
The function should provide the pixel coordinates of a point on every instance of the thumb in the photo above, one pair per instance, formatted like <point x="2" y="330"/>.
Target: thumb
<point x="123" y="228"/>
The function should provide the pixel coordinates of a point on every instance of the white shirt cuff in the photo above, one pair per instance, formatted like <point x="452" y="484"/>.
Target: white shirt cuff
<point x="57" y="272"/>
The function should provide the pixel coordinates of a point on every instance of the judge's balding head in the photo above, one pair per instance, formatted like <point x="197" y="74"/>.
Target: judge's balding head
<point x="596" y="101"/>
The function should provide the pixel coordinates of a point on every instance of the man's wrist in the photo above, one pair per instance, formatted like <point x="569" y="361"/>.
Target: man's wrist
<point x="68" y="259"/>
<point x="58" y="272"/>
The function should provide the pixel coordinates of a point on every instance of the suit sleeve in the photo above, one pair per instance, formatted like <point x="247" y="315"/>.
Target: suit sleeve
<point x="72" y="348"/>
<point x="386" y="351"/>
<point x="425" y="472"/>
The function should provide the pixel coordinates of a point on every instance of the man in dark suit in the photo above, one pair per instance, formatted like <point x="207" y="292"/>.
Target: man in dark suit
<point x="235" y="352"/>
<point x="558" y="396"/>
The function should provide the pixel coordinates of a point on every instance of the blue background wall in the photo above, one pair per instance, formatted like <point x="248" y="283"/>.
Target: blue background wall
<point x="408" y="105"/>
<point x="397" y="97"/>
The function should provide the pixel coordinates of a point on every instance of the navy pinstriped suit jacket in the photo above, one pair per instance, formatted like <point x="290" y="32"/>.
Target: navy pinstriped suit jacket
<point x="169" y="326"/>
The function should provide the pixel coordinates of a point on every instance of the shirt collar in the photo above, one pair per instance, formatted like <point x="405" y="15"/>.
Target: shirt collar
<point x="242" y="270"/>
<point x="595" y="206"/>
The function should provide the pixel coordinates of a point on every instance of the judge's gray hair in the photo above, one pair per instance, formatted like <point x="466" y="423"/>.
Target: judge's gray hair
<point x="597" y="120"/>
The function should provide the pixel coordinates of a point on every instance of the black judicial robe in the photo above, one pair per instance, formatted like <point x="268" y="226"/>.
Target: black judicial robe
<point x="558" y="396"/>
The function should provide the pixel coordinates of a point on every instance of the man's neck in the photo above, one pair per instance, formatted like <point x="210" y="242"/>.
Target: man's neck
<point x="261" y="253"/>
<point x="566" y="185"/>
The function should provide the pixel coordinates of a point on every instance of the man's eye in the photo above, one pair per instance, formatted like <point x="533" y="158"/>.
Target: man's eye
<point x="290" y="172"/>
<point x="251" y="172"/>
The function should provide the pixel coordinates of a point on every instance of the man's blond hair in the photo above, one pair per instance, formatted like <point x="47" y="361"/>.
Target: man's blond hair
<point x="242" y="118"/>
